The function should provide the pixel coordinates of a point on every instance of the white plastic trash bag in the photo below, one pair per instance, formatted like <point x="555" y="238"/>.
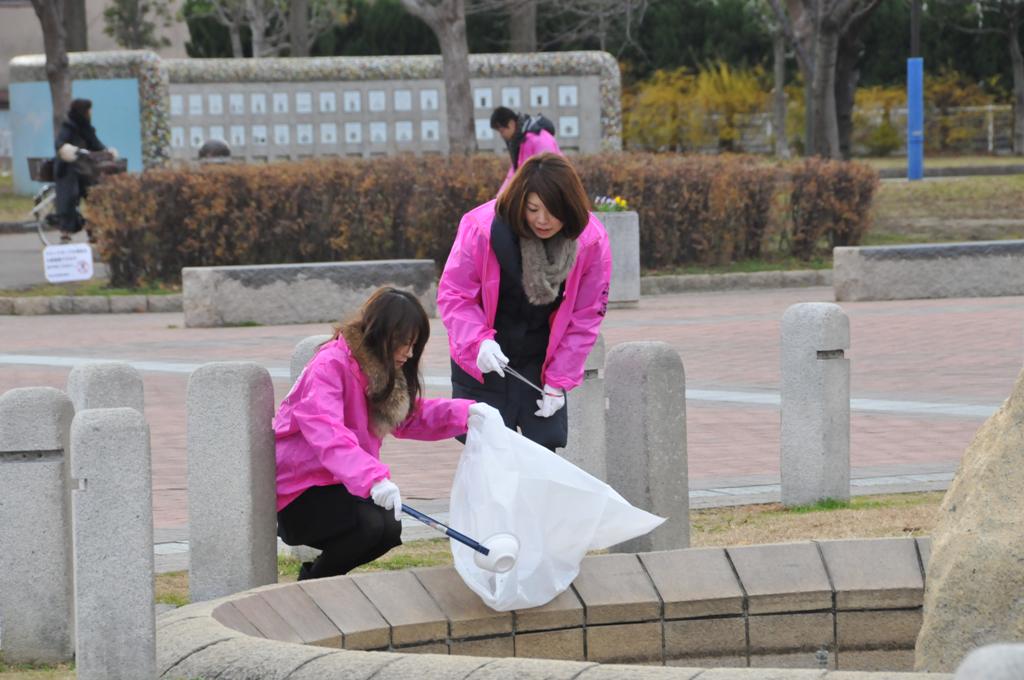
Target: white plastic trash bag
<point x="506" y="483"/>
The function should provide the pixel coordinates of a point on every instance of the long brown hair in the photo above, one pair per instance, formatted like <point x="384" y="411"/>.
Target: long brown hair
<point x="558" y="187"/>
<point x="389" y="319"/>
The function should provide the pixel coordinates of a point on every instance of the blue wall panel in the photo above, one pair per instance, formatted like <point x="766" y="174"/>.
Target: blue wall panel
<point x="115" y="115"/>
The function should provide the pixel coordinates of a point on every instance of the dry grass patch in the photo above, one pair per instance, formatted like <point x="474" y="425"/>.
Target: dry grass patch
<point x="911" y="514"/>
<point x="948" y="209"/>
<point x="863" y="517"/>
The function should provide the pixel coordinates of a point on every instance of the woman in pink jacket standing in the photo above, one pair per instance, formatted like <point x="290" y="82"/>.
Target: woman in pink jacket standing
<point x="525" y="137"/>
<point x="333" y="491"/>
<point x="526" y="286"/>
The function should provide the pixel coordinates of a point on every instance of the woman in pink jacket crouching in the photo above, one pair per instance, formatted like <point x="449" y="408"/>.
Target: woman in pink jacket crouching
<point x="333" y="492"/>
<point x="526" y="286"/>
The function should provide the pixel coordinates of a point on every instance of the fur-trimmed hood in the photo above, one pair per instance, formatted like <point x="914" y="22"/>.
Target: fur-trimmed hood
<point x="387" y="415"/>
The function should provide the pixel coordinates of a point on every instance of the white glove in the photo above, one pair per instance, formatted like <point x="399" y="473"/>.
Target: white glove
<point x="68" y="152"/>
<point x="554" y="399"/>
<point x="491" y="358"/>
<point x="385" y="494"/>
<point x="479" y="412"/>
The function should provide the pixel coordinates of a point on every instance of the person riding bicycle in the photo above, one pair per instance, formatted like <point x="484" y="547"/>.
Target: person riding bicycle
<point x="73" y="169"/>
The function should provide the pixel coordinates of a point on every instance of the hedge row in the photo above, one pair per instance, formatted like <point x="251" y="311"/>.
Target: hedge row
<point x="693" y="210"/>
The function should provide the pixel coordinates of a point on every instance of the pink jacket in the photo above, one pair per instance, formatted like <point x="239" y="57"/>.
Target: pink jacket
<point x="467" y="298"/>
<point x="533" y="143"/>
<point x="323" y="434"/>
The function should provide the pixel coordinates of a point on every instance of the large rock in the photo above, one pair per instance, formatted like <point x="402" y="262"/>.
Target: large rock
<point x="976" y="573"/>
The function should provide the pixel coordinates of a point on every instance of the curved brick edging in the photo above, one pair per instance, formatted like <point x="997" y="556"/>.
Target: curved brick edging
<point x="689" y="283"/>
<point x="764" y="605"/>
<point x="88" y="304"/>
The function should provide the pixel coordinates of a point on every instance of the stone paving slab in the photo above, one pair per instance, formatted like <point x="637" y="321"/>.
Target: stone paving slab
<point x="728" y="341"/>
<point x="551" y="644"/>
<point x="696" y="582"/>
<point x="302" y="613"/>
<point x="467" y="615"/>
<point x="616" y="589"/>
<point x="565" y="611"/>
<point x="406" y="605"/>
<point x="782" y="577"/>
<point x="350" y="611"/>
<point x="874" y="574"/>
<point x="266" y="619"/>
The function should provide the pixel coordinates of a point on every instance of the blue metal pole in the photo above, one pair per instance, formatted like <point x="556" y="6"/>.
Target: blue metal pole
<point x="915" y="118"/>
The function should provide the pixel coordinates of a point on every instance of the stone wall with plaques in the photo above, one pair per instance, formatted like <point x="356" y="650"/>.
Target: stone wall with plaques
<point x="272" y="109"/>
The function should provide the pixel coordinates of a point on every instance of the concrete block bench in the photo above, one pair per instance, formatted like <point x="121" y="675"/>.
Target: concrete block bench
<point x="940" y="270"/>
<point x="683" y="610"/>
<point x="274" y="294"/>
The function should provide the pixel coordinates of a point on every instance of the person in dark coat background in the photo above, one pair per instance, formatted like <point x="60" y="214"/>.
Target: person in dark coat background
<point x="72" y="169"/>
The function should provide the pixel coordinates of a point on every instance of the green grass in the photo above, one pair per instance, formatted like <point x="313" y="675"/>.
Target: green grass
<point x="859" y="503"/>
<point x="242" y="324"/>
<point x="13" y="207"/>
<point x="942" y="161"/>
<point x="87" y="288"/>
<point x="34" y="671"/>
<point x="746" y="266"/>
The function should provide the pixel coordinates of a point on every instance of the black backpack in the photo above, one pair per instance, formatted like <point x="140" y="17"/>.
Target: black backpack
<point x="537" y="123"/>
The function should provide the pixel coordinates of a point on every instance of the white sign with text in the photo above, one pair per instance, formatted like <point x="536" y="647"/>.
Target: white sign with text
<point x="71" y="262"/>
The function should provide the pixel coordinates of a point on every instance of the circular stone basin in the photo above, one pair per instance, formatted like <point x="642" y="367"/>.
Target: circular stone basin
<point x="849" y="604"/>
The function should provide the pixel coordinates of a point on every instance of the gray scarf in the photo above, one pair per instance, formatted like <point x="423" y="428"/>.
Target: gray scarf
<point x="546" y="264"/>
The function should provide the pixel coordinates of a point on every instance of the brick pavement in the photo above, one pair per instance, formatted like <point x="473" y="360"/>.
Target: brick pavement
<point x="938" y="351"/>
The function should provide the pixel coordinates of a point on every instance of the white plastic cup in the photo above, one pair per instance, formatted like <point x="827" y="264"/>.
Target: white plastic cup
<point x="503" y="552"/>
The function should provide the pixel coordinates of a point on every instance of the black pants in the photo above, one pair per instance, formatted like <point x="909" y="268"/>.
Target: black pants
<point x="349" y="531"/>
<point x="71" y="188"/>
<point x="516" y="401"/>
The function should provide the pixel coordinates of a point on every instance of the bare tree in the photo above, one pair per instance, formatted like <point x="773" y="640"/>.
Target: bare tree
<point x="522" y="27"/>
<point x="275" y="26"/>
<point x="815" y="29"/>
<point x="307" y="21"/>
<point x="76" y="26"/>
<point x="231" y="15"/>
<point x="1003" y="18"/>
<point x="764" y="14"/>
<point x="51" y="20"/>
<point x="135" y="24"/>
<point x="577" y="21"/>
<point x="447" y="19"/>
<point x="599" y="20"/>
<point x="263" y="16"/>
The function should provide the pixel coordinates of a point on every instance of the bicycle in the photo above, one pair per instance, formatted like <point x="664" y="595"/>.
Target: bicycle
<point x="44" y="206"/>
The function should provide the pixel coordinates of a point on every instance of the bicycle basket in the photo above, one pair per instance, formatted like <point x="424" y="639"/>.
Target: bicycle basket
<point x="112" y="166"/>
<point x="40" y="169"/>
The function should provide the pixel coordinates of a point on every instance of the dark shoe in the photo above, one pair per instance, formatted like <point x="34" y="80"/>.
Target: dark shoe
<point x="306" y="571"/>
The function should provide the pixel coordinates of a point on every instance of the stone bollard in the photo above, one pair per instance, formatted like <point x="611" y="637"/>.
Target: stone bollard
<point x="303" y="352"/>
<point x="110" y="384"/>
<point x="624" y="241"/>
<point x="646" y="435"/>
<point x="586" y="446"/>
<point x="815" y="404"/>
<point x="112" y="508"/>
<point x="231" y="479"/>
<point x="36" y="598"/>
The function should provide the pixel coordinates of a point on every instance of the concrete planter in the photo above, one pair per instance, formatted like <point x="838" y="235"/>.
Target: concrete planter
<point x="624" y="235"/>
